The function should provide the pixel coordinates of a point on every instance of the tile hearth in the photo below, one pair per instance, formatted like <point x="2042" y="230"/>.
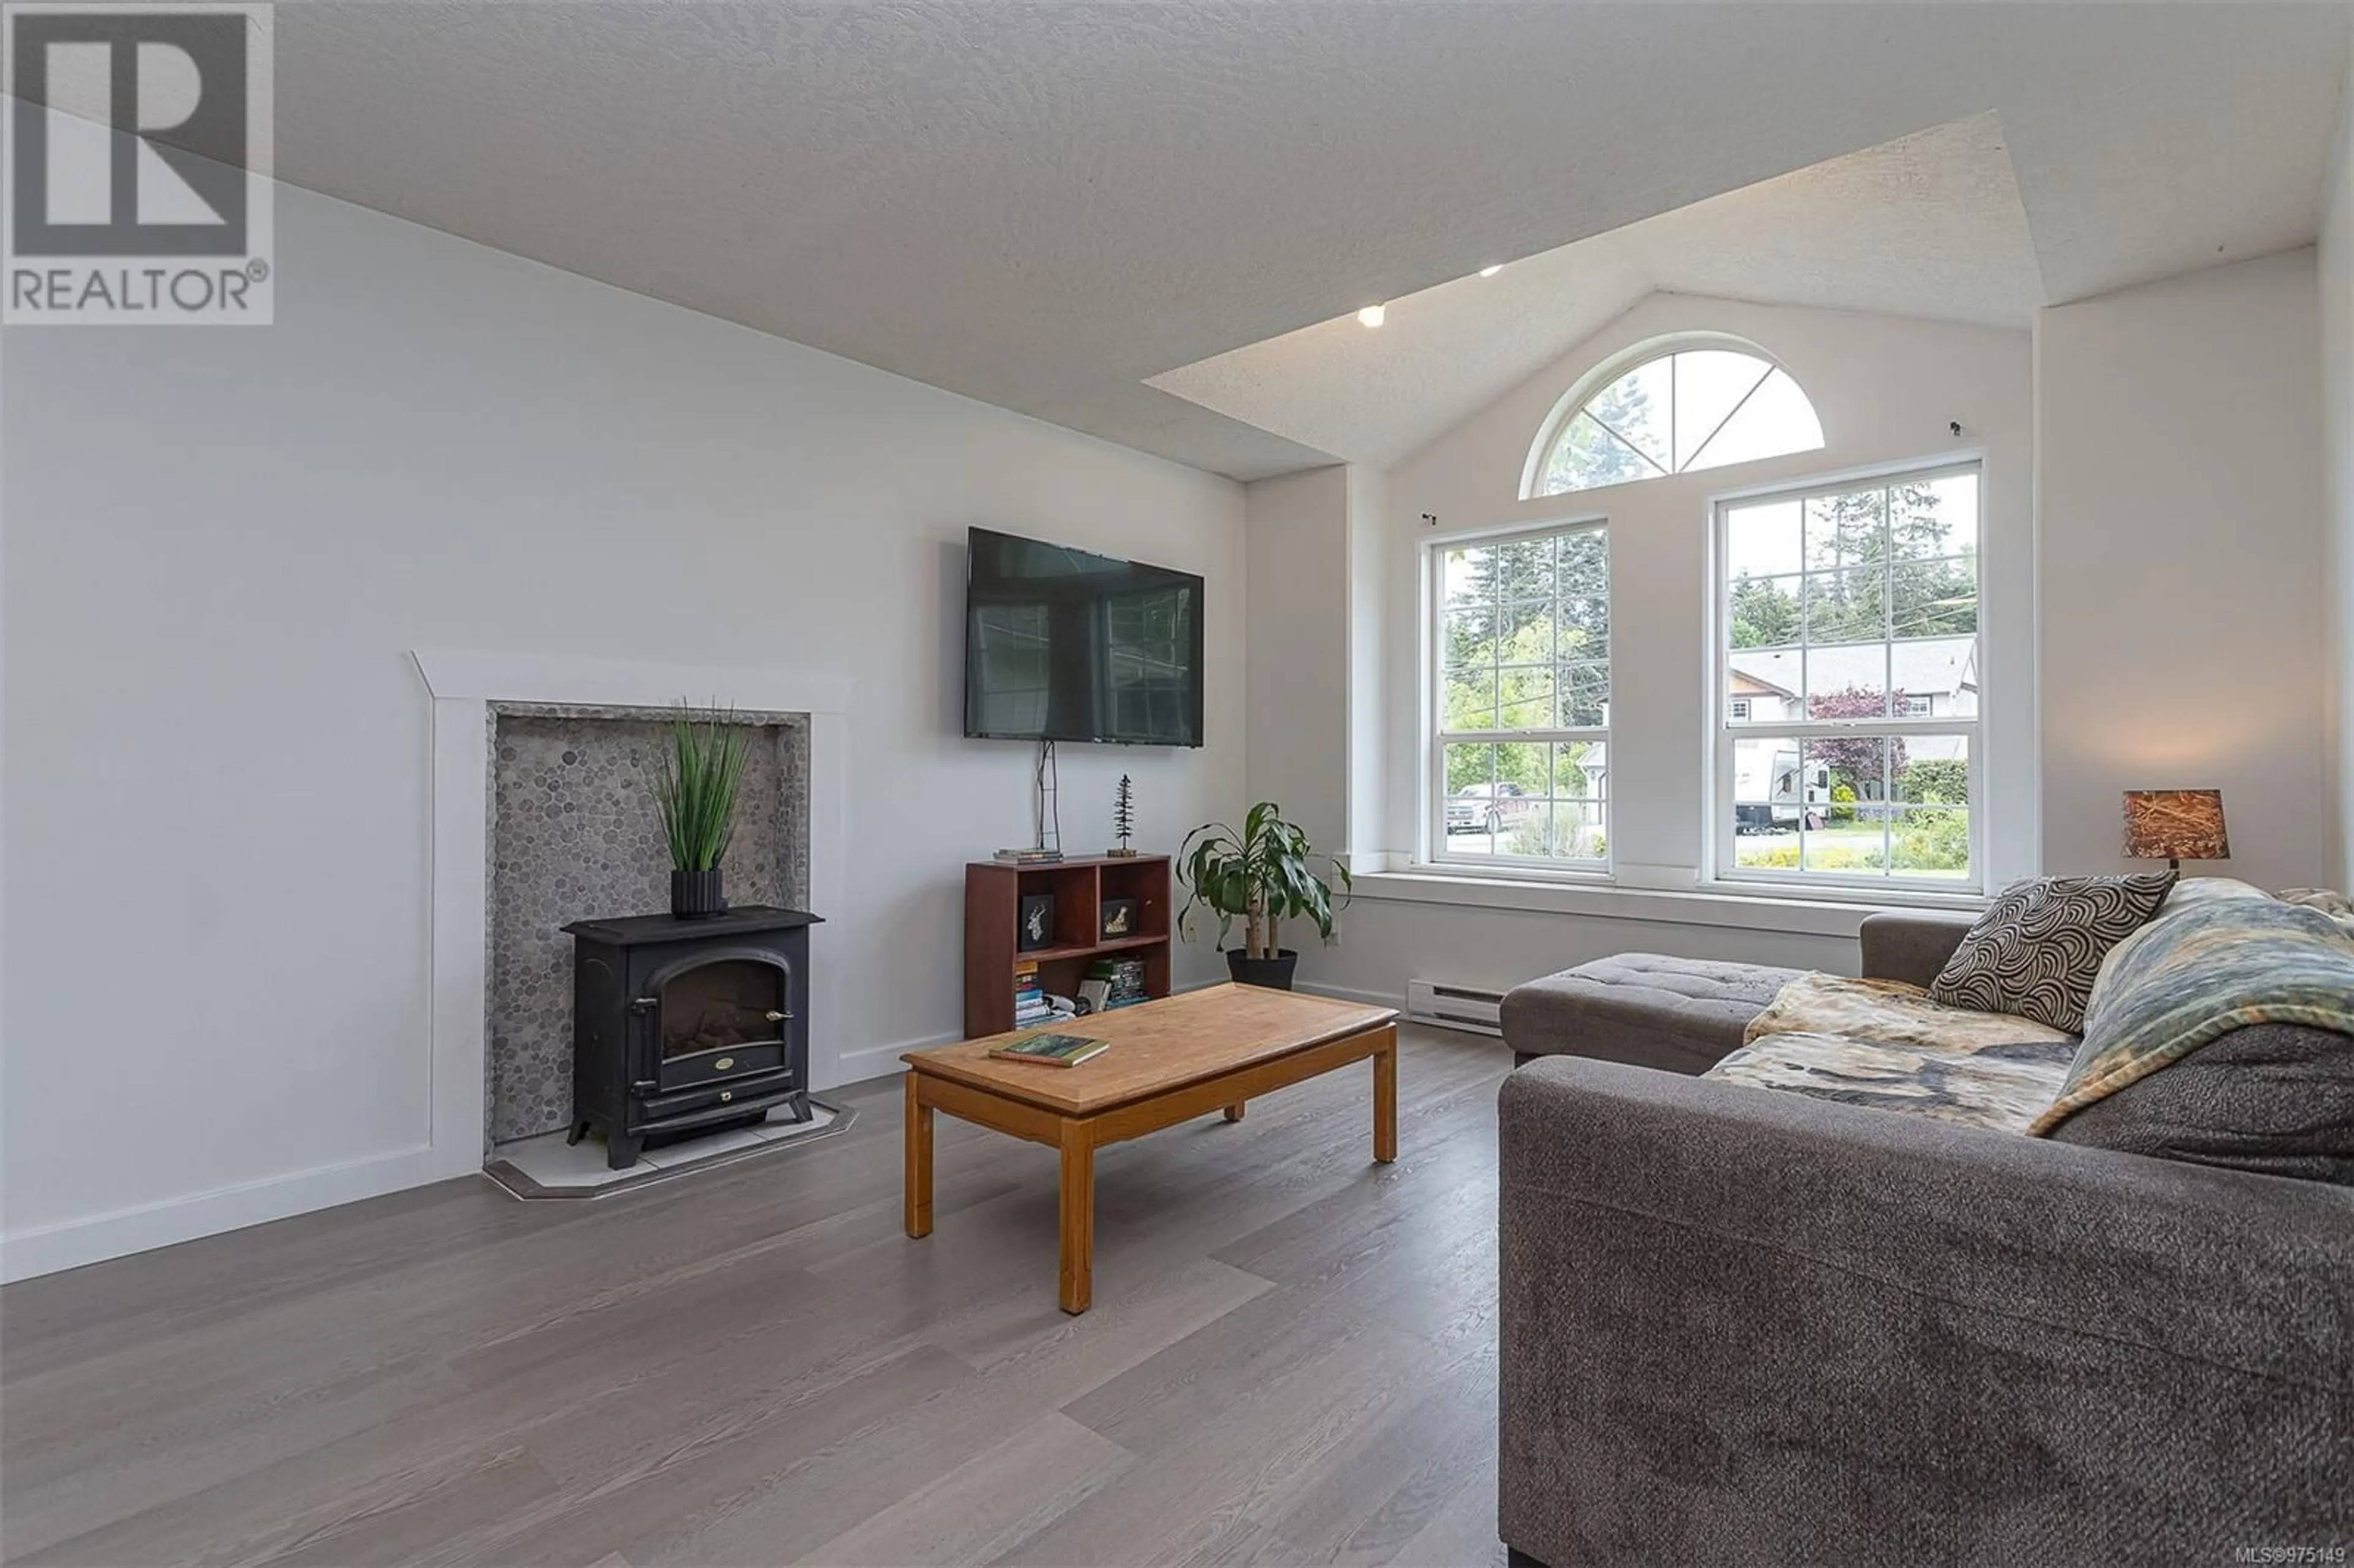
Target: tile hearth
<point x="547" y="1166"/>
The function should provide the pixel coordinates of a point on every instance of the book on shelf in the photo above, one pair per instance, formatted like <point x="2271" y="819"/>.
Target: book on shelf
<point x="1029" y="856"/>
<point x="1121" y="981"/>
<point x="1051" y="1049"/>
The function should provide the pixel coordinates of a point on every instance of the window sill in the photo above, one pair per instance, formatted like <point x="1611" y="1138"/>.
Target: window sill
<point x="1599" y="897"/>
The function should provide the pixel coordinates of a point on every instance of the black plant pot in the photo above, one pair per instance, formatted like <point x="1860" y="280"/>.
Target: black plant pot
<point x="1274" y="973"/>
<point x="695" y="896"/>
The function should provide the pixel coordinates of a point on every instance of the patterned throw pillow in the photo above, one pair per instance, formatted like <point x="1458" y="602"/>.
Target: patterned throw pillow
<point x="2037" y="950"/>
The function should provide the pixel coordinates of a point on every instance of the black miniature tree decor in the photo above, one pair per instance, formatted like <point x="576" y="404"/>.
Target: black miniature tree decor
<point x="1123" y="816"/>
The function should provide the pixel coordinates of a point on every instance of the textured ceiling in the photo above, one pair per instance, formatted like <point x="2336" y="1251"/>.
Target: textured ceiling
<point x="1929" y="226"/>
<point x="1044" y="205"/>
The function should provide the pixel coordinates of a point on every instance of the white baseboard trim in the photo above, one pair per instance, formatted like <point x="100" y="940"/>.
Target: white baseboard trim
<point x="1350" y="993"/>
<point x="881" y="1061"/>
<point x="70" y="1244"/>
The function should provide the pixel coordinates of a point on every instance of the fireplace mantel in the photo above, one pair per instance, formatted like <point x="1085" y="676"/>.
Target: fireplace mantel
<point x="463" y="684"/>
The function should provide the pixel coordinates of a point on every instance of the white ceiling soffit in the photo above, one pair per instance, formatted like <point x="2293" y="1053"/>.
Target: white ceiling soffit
<point x="1929" y="224"/>
<point x="1041" y="206"/>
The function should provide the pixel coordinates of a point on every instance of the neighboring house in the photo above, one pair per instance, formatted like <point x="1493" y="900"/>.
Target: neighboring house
<point x="1937" y="676"/>
<point x="1593" y="768"/>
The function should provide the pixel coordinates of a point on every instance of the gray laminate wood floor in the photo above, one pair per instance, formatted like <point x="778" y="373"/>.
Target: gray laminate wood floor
<point x="1292" y="1359"/>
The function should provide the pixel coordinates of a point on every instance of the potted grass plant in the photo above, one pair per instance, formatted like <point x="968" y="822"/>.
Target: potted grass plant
<point x="695" y="776"/>
<point x="1263" y="875"/>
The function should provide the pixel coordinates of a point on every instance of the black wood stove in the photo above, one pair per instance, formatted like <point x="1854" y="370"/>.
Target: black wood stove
<point x="687" y="1027"/>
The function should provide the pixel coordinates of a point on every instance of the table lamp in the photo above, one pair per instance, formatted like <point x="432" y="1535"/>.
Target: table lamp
<point x="2176" y="825"/>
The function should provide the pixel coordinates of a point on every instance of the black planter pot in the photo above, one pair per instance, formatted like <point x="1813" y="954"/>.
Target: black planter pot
<point x="1274" y="973"/>
<point x="695" y="896"/>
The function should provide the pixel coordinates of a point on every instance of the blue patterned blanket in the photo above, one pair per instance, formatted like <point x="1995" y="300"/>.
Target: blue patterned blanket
<point x="2196" y="974"/>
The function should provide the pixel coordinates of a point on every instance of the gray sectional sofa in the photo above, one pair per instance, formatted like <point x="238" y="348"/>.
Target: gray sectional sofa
<point x="1741" y="1326"/>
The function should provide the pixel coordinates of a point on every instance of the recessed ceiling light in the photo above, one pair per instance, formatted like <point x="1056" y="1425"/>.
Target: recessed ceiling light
<point x="1491" y="272"/>
<point x="1372" y="316"/>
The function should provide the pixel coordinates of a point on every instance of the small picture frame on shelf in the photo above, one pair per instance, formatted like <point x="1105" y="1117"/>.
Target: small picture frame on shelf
<point x="1121" y="917"/>
<point x="1037" y="922"/>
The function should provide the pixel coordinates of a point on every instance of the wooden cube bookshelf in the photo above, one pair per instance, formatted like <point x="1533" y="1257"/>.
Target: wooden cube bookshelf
<point x="993" y="892"/>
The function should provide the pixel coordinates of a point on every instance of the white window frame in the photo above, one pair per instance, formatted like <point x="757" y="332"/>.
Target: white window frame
<point x="1719" y="832"/>
<point x="1435" y="848"/>
<point x="1586" y="388"/>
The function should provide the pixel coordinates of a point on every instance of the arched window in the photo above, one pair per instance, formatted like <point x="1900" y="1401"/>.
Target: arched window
<point x="1697" y="404"/>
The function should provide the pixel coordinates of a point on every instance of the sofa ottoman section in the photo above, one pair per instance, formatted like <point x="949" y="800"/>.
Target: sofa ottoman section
<point x="1681" y="1015"/>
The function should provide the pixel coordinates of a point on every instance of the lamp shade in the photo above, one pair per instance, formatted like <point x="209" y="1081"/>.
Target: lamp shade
<point x="2176" y="825"/>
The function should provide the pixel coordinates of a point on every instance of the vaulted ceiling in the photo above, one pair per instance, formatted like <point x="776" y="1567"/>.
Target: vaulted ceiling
<point x="1054" y="206"/>
<point x="1930" y="225"/>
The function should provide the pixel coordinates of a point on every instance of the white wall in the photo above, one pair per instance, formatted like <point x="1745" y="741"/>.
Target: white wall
<point x="1369" y="634"/>
<point x="1886" y="390"/>
<point x="1317" y="647"/>
<point x="1387" y="940"/>
<point x="2181" y="551"/>
<point x="221" y="545"/>
<point x="2336" y="266"/>
<point x="1297" y="649"/>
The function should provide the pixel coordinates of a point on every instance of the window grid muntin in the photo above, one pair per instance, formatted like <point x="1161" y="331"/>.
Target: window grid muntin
<point x="1686" y="464"/>
<point x="1562" y="427"/>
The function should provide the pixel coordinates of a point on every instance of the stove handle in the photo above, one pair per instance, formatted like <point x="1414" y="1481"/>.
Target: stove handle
<point x="643" y="1007"/>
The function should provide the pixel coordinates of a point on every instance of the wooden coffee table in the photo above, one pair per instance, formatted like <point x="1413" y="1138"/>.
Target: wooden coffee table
<point x="1170" y="1060"/>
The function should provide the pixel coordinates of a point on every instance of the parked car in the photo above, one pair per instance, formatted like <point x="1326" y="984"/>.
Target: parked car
<point x="1487" y="807"/>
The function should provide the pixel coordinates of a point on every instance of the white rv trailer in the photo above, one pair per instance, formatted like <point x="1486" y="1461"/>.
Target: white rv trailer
<point x="1767" y="793"/>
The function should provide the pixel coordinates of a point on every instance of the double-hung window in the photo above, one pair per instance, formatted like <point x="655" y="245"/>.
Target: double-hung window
<point x="1520" y="709"/>
<point x="1848" y="750"/>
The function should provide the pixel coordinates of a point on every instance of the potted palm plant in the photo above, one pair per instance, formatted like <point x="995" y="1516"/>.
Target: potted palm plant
<point x="695" y="776"/>
<point x="1263" y="875"/>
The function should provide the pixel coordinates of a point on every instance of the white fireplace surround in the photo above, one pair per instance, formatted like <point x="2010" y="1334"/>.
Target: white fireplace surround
<point x="463" y="683"/>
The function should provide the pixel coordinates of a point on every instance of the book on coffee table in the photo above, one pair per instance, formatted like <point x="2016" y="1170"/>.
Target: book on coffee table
<point x="1051" y="1049"/>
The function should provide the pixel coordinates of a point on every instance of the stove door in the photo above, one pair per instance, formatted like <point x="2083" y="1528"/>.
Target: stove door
<point x="721" y="1016"/>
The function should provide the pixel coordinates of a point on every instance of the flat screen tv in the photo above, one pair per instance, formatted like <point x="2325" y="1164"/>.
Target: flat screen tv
<point x="1060" y="644"/>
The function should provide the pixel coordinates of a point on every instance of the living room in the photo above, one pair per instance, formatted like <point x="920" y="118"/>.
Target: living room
<point x="601" y="361"/>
